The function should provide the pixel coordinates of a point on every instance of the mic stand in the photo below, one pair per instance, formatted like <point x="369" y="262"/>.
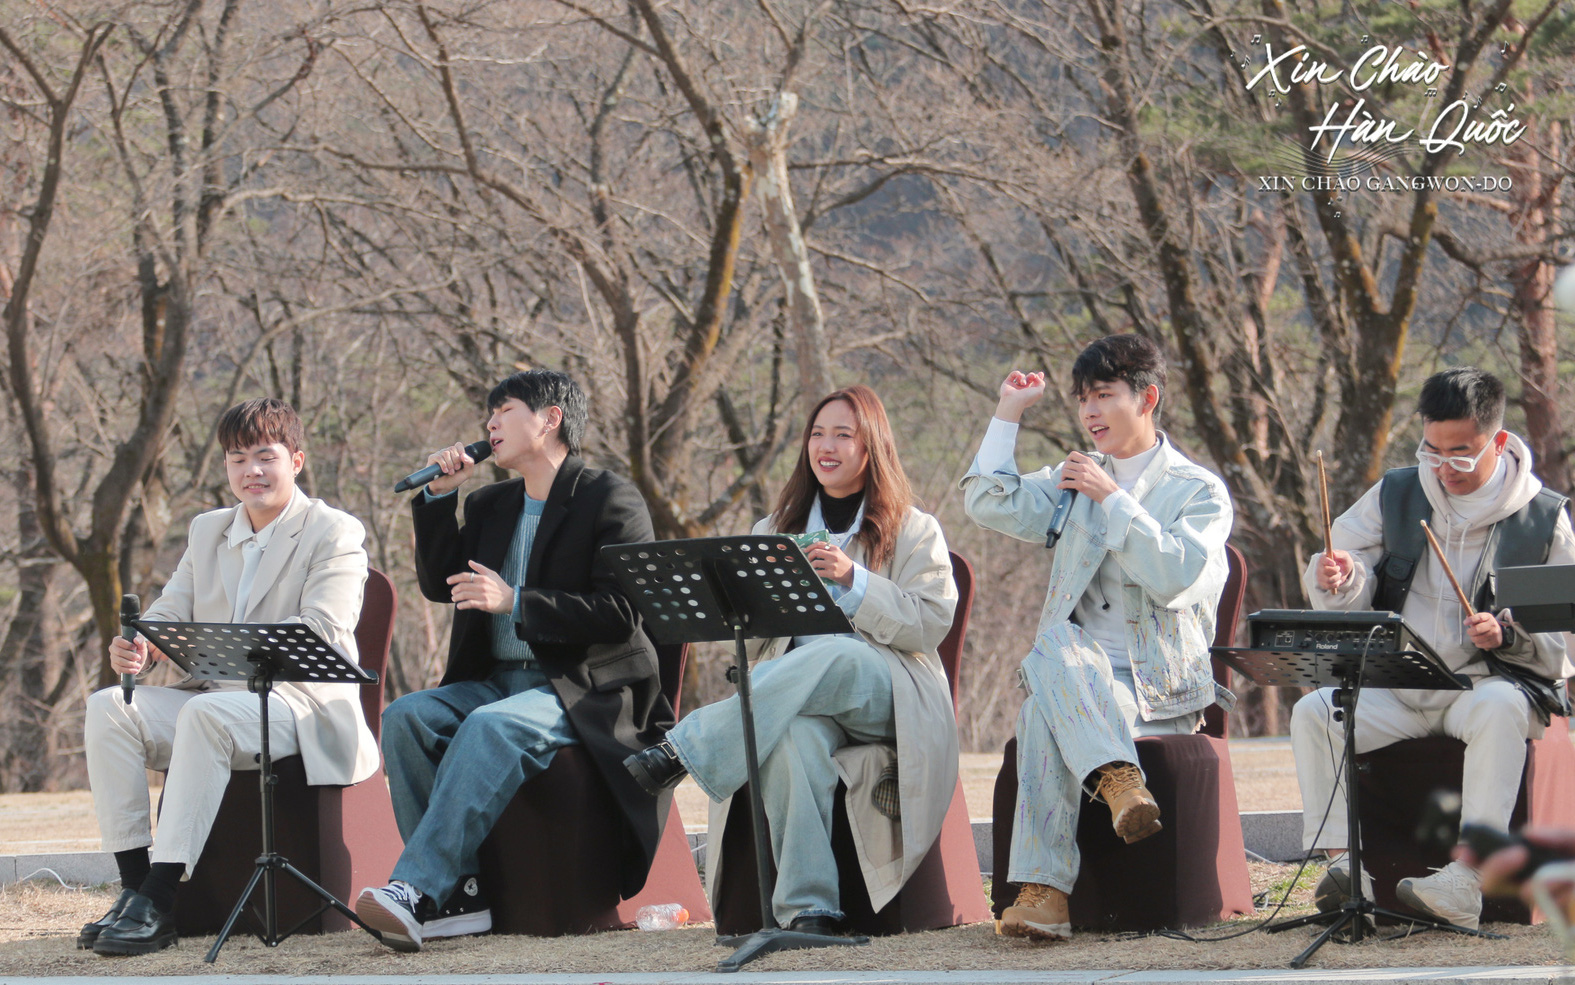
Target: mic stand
<point x="1273" y="667"/>
<point x="261" y="654"/>
<point x="690" y="591"/>
<point x="770" y="937"/>
<point x="1357" y="909"/>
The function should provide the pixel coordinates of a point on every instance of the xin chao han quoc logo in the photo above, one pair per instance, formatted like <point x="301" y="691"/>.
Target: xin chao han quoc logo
<point x="1348" y="138"/>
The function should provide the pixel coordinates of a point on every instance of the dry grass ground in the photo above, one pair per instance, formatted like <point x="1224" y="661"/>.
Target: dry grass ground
<point x="38" y="925"/>
<point x="39" y="922"/>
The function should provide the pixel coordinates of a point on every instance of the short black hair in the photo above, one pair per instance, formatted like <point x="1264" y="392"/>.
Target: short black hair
<point x="539" y="389"/>
<point x="1132" y="359"/>
<point x="1464" y="393"/>
<point x="263" y="421"/>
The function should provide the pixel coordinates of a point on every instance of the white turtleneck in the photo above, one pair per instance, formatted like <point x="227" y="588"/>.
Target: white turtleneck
<point x="1469" y="506"/>
<point x="1100" y="611"/>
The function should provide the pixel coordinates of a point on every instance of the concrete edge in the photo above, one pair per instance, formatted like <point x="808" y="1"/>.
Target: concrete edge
<point x="1481" y="975"/>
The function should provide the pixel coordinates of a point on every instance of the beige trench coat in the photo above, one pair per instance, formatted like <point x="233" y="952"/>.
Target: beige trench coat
<point x="906" y="613"/>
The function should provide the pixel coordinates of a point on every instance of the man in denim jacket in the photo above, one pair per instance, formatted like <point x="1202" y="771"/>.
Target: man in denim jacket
<point x="1123" y="640"/>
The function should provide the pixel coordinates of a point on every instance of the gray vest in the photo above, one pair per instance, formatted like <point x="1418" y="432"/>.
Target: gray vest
<point x="1524" y="537"/>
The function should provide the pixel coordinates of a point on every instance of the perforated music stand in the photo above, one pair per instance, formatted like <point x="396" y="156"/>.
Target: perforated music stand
<point x="738" y="588"/>
<point x="1348" y="673"/>
<point x="260" y="655"/>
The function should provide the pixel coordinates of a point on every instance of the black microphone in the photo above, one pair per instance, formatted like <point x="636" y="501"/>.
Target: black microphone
<point x="130" y="611"/>
<point x="477" y="450"/>
<point x="1063" y="508"/>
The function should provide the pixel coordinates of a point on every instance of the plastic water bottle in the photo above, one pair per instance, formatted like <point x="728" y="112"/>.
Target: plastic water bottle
<point x="663" y="916"/>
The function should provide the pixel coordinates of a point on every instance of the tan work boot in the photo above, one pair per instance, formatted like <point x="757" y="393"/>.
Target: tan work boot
<point x="1133" y="810"/>
<point x="1040" y="912"/>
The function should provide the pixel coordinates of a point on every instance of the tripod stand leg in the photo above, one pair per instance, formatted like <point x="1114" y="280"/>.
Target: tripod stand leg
<point x="328" y="898"/>
<point x="1352" y="915"/>
<point x="1345" y="917"/>
<point x="769" y="940"/>
<point x="240" y="904"/>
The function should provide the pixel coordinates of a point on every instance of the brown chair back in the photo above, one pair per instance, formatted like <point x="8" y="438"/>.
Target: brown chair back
<point x="1226" y="617"/>
<point x="374" y="635"/>
<point x="952" y="646"/>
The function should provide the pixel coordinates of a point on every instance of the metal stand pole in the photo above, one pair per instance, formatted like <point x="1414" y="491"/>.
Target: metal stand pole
<point x="270" y="862"/>
<point x="1358" y="909"/>
<point x="770" y="937"/>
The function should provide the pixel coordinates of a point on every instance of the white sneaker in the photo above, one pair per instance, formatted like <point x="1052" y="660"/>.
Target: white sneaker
<point x="1334" y="887"/>
<point x="1452" y="894"/>
<point x="391" y="911"/>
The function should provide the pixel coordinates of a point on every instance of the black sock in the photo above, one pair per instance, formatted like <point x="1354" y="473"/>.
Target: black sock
<point x="159" y="886"/>
<point x="133" y="865"/>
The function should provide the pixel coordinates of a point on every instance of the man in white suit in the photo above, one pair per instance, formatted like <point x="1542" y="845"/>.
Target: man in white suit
<point x="277" y="556"/>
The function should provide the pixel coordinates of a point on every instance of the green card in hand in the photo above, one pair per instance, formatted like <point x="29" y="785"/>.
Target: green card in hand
<point x="804" y="540"/>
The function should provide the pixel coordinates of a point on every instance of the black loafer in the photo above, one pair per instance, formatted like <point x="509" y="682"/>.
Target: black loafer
<point x="816" y="923"/>
<point x="656" y="768"/>
<point x="141" y="929"/>
<point x="90" y="931"/>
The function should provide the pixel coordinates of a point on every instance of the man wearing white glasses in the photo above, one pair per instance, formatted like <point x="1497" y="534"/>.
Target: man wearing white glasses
<point x="1474" y="486"/>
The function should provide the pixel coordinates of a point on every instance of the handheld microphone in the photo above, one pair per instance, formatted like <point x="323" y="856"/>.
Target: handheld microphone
<point x="477" y="450"/>
<point x="130" y="611"/>
<point x="1063" y="509"/>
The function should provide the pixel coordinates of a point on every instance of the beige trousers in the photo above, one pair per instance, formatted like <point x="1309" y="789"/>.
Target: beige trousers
<point x="1493" y="719"/>
<point x="198" y="737"/>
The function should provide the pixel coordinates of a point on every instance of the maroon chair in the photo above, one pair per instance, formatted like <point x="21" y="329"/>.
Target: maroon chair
<point x="343" y="837"/>
<point x="552" y="859"/>
<point x="1194" y="871"/>
<point x="1393" y="786"/>
<point x="944" y="891"/>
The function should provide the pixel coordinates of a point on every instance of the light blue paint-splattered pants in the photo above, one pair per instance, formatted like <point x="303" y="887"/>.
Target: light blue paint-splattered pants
<point x="1078" y="716"/>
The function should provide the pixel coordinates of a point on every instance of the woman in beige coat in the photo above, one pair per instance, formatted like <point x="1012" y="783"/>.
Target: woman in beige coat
<point x="870" y="708"/>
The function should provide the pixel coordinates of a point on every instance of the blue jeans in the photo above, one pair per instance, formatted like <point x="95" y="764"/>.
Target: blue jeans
<point x="467" y="747"/>
<point x="808" y="703"/>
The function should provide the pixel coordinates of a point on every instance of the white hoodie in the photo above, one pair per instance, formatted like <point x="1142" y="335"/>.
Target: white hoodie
<point x="1461" y="524"/>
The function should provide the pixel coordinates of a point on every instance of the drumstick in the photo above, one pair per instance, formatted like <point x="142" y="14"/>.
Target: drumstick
<point x="1323" y="501"/>
<point x="1439" y="553"/>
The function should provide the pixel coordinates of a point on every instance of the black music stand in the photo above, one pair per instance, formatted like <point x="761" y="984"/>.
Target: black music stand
<point x="1541" y="596"/>
<point x="261" y="655"/>
<point x="1414" y="667"/>
<point x="737" y="588"/>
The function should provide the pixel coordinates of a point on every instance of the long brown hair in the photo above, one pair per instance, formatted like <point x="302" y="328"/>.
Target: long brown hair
<point x="887" y="494"/>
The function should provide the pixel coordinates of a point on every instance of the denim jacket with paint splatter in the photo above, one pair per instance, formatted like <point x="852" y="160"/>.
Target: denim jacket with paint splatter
<point x="1169" y="537"/>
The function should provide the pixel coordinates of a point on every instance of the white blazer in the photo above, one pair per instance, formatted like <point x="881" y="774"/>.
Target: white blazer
<point x="313" y="571"/>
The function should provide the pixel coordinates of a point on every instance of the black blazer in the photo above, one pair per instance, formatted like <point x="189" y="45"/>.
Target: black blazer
<point x="583" y="630"/>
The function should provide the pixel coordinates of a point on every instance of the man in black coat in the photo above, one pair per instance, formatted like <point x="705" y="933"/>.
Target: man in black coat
<point x="546" y="651"/>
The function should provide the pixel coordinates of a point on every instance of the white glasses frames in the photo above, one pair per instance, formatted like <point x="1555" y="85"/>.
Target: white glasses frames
<point x="1459" y="463"/>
